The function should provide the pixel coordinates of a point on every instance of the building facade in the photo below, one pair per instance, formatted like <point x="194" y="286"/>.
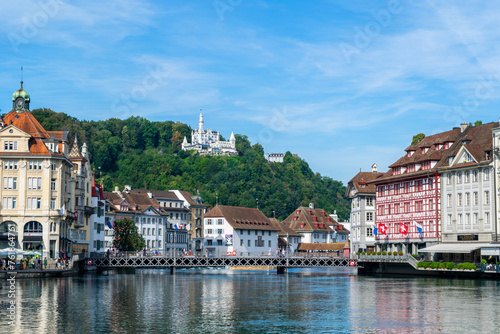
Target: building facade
<point x="196" y="209"/>
<point x="316" y="226"/>
<point x="37" y="207"/>
<point x="274" y="157"/>
<point x="362" y="218"/>
<point x="208" y="142"/>
<point x="238" y="230"/>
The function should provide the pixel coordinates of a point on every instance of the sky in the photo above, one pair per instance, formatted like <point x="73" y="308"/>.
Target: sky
<point x="342" y="84"/>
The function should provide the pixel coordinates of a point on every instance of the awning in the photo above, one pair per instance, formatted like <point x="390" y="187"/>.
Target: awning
<point x="32" y="238"/>
<point x="462" y="248"/>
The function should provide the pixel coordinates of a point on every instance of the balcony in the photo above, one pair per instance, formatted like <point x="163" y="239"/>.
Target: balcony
<point x="86" y="210"/>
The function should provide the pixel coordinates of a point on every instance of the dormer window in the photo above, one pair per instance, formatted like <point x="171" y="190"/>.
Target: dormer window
<point x="426" y="165"/>
<point x="396" y="170"/>
<point x="424" y="150"/>
<point x="10" y="145"/>
<point x="409" y="153"/>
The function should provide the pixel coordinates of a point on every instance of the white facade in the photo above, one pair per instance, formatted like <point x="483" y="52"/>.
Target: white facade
<point x="208" y="142"/>
<point x="274" y="157"/>
<point x="97" y="222"/>
<point x="221" y="238"/>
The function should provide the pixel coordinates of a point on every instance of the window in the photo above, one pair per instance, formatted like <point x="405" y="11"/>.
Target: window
<point x="249" y="243"/>
<point x="426" y="165"/>
<point x="419" y="206"/>
<point x="381" y="210"/>
<point x="209" y="242"/>
<point x="467" y="177"/>
<point x="35" y="164"/>
<point x="241" y="242"/>
<point x="459" y="177"/>
<point x="448" y="178"/>
<point x="153" y="231"/>
<point x="52" y="203"/>
<point x="486" y="173"/>
<point x="448" y="197"/>
<point x="431" y="204"/>
<point x="10" y="145"/>
<point x="220" y="231"/>
<point x="475" y="198"/>
<point x="448" y="220"/>
<point x="459" y="199"/>
<point x="10" y="183"/>
<point x="486" y="197"/>
<point x="9" y="202"/>
<point x="10" y="164"/>
<point x="209" y="231"/>
<point x="467" y="199"/>
<point x="467" y="219"/>
<point x="407" y="207"/>
<point x="369" y="232"/>
<point x="53" y="184"/>
<point x="460" y="220"/>
<point x="53" y="166"/>
<point x="369" y="201"/>
<point x="432" y="226"/>
<point x="475" y="218"/>
<point x="369" y="216"/>
<point x="396" y="208"/>
<point x="34" y="203"/>
<point x="219" y="242"/>
<point x="474" y="175"/>
<point x="487" y="218"/>
<point x="219" y="222"/>
<point x="209" y="221"/>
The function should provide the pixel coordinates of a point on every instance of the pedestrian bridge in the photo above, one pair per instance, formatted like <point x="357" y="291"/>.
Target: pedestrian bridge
<point x="281" y="263"/>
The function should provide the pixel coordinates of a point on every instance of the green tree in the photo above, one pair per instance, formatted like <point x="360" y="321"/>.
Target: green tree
<point x="417" y="138"/>
<point x="126" y="236"/>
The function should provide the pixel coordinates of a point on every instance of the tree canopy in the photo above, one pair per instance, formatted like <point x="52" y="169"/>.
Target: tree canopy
<point x="141" y="153"/>
<point x="417" y="138"/>
<point x="126" y="236"/>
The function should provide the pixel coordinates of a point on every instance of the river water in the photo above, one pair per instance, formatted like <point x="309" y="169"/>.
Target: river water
<point x="242" y="301"/>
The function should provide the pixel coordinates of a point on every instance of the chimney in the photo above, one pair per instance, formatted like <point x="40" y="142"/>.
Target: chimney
<point x="374" y="168"/>
<point x="311" y="206"/>
<point x="150" y="194"/>
<point x="463" y="126"/>
<point x="117" y="189"/>
<point x="127" y="188"/>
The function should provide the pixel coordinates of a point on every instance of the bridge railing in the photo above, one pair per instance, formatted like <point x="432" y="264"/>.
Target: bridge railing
<point x="179" y="254"/>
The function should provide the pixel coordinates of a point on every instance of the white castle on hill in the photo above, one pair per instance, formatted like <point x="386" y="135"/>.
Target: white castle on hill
<point x="208" y="142"/>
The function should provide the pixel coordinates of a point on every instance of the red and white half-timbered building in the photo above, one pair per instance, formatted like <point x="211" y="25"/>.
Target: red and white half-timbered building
<point x="408" y="196"/>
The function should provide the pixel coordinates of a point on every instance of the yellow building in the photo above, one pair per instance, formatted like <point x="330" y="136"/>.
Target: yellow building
<point x="38" y="183"/>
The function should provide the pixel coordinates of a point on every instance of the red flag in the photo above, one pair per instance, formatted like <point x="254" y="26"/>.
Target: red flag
<point x="382" y="229"/>
<point x="403" y="229"/>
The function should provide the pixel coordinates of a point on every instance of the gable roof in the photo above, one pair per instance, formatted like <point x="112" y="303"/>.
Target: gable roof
<point x="359" y="183"/>
<point x="26" y="122"/>
<point x="313" y="220"/>
<point x="242" y="218"/>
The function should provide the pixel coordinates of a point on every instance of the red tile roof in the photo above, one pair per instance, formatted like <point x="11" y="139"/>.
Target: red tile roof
<point x="242" y="218"/>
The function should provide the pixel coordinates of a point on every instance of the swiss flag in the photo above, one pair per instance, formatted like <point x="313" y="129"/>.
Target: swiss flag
<point x="382" y="228"/>
<point x="403" y="229"/>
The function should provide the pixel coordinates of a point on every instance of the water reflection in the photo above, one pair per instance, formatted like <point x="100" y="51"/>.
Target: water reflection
<point x="213" y="301"/>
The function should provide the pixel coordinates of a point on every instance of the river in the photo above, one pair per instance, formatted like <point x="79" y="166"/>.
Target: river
<point x="242" y="301"/>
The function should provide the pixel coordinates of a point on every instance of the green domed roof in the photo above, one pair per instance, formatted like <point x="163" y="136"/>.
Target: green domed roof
<point x="21" y="93"/>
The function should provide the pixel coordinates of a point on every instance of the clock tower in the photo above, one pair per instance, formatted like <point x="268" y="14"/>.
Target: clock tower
<point x="21" y="100"/>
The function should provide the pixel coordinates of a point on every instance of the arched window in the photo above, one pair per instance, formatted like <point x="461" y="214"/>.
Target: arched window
<point x="8" y="226"/>
<point x="33" y="227"/>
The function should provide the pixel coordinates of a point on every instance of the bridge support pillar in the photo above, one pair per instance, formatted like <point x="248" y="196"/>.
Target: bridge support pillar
<point x="172" y="270"/>
<point x="281" y="270"/>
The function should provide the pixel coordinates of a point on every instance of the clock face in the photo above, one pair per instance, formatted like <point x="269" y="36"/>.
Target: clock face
<point x="19" y="103"/>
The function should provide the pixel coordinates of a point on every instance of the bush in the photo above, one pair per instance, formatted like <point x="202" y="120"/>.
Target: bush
<point x="483" y="261"/>
<point x="378" y="253"/>
<point x="434" y="265"/>
<point x="426" y="265"/>
<point x="460" y="266"/>
<point x="469" y="266"/>
<point x="415" y="255"/>
<point x="420" y="264"/>
<point x="395" y="253"/>
<point x="442" y="265"/>
<point x="358" y="253"/>
<point x="450" y="265"/>
<point x="384" y="253"/>
<point x="363" y="253"/>
<point x="400" y="253"/>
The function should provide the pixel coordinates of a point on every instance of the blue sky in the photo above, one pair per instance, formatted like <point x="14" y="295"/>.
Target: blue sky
<point x="343" y="84"/>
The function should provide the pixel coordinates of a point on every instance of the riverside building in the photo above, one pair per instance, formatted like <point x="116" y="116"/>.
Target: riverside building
<point x="440" y="198"/>
<point x="38" y="208"/>
<point x="362" y="220"/>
